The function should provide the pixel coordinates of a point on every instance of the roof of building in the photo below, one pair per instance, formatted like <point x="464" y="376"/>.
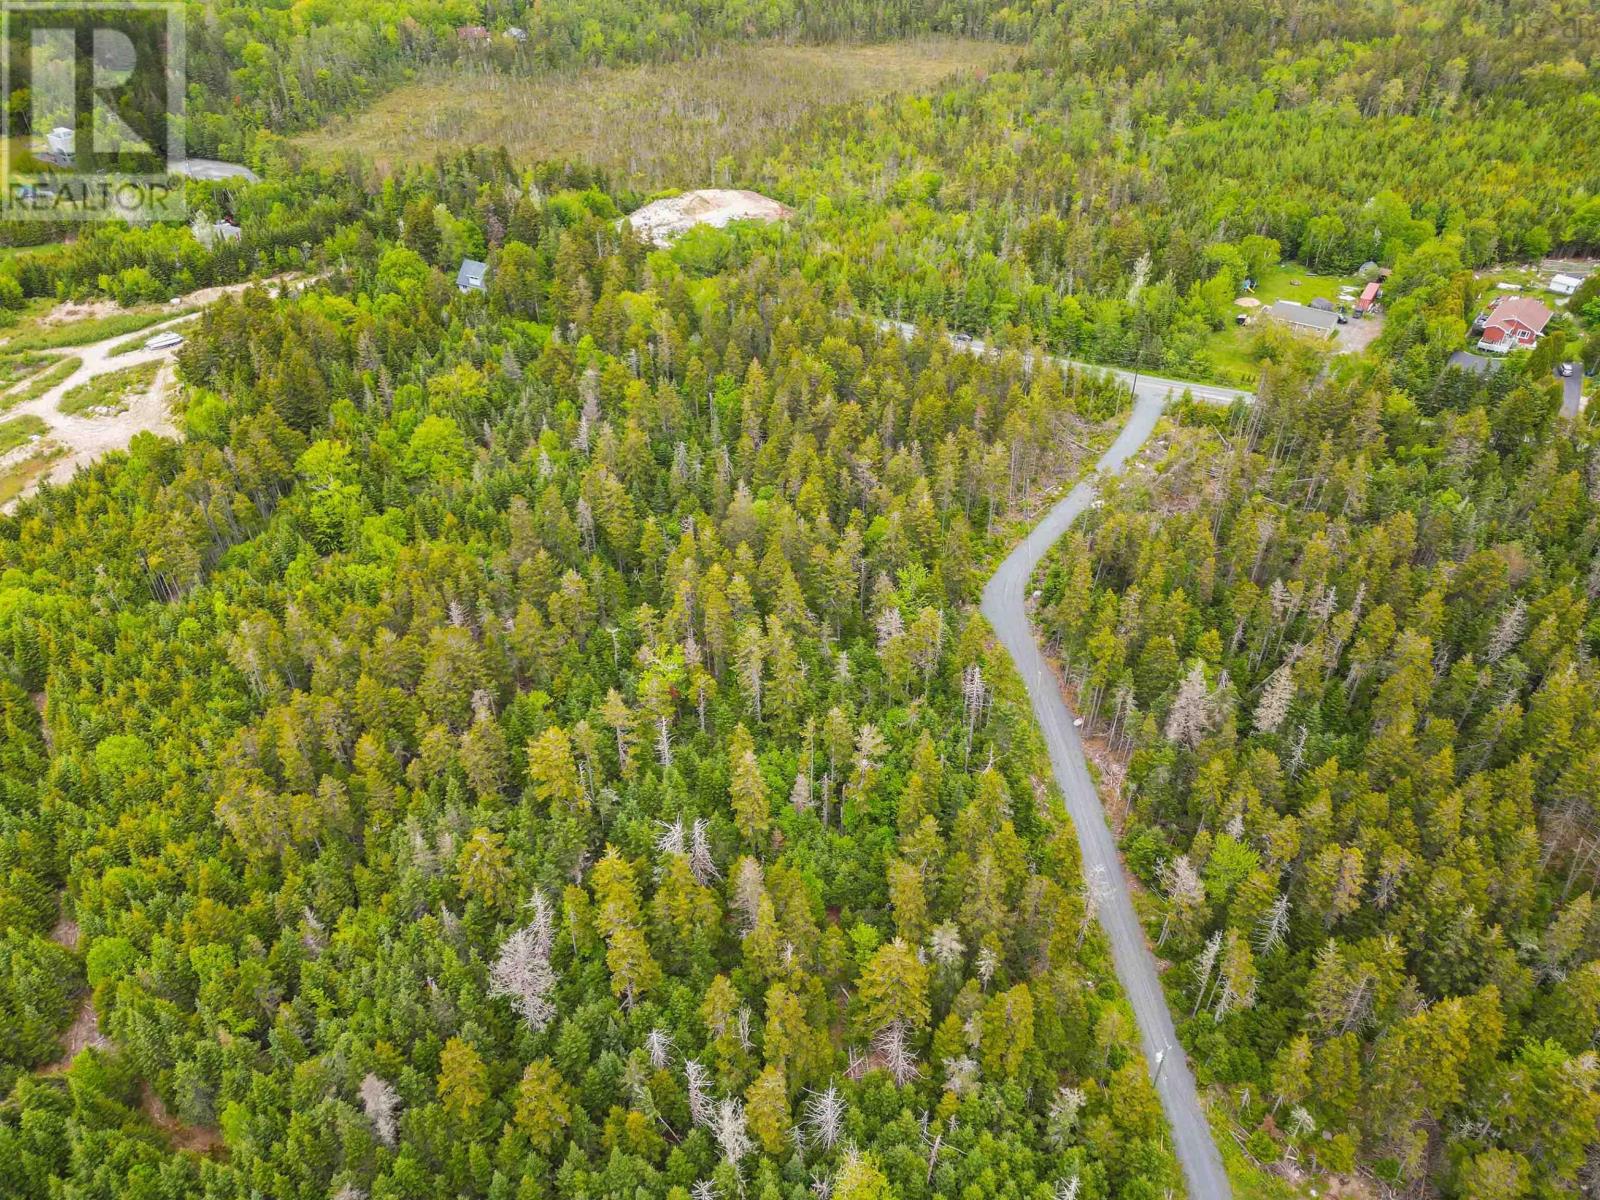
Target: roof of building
<point x="1370" y="292"/>
<point x="1524" y="310"/>
<point x="1476" y="363"/>
<point x="471" y="274"/>
<point x="1322" y="305"/>
<point x="1568" y="281"/>
<point x="1303" y="315"/>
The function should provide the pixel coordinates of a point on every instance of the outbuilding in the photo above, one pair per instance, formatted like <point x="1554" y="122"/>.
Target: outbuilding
<point x="472" y="277"/>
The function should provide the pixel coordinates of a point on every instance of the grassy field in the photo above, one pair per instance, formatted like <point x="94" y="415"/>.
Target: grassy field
<point x="110" y="390"/>
<point x="8" y="253"/>
<point x="646" y="125"/>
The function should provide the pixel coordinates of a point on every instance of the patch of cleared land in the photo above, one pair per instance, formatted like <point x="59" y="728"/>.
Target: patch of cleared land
<point x="19" y="366"/>
<point x="664" y="220"/>
<point x="648" y="126"/>
<point x="79" y="324"/>
<point x="41" y="383"/>
<point x="18" y="430"/>
<point x="73" y="412"/>
<point x="107" y="394"/>
<point x="1234" y="352"/>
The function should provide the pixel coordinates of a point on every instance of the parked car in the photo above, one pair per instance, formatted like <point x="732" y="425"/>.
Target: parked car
<point x="1565" y="370"/>
<point x="164" y="341"/>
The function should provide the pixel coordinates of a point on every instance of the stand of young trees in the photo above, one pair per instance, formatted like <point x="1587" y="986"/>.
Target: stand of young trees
<point x="542" y="743"/>
<point x="1344" y="641"/>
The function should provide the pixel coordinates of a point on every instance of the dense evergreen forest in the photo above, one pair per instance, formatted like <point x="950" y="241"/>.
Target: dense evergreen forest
<point x="542" y="743"/>
<point x="1339" y="651"/>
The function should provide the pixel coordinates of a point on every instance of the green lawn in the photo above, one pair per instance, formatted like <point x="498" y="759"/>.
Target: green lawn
<point x="1231" y="350"/>
<point x="8" y="253"/>
<point x="110" y="390"/>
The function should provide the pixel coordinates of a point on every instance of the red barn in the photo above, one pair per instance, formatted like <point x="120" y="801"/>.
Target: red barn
<point x="1369" y="297"/>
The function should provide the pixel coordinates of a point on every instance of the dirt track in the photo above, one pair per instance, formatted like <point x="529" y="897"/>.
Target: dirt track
<point x="80" y="439"/>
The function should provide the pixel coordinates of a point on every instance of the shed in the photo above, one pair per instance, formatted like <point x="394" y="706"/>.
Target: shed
<point x="1565" y="285"/>
<point x="1369" y="297"/>
<point x="472" y="276"/>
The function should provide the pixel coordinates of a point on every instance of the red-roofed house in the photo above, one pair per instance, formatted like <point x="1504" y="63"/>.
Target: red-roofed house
<point x="1513" y="323"/>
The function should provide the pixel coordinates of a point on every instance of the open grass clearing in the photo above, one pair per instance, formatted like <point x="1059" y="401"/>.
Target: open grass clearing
<point x="110" y="391"/>
<point x="650" y="126"/>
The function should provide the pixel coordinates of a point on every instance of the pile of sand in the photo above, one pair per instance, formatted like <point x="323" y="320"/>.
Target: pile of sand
<point x="663" y="220"/>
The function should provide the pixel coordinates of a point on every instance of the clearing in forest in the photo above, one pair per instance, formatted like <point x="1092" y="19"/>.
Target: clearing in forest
<point x="649" y="126"/>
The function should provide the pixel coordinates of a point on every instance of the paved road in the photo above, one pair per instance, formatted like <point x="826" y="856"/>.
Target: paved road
<point x="1004" y="604"/>
<point x="1143" y="385"/>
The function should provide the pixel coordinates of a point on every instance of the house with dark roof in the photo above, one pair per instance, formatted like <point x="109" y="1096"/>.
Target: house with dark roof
<point x="1303" y="317"/>
<point x="472" y="277"/>
<point x="1513" y="323"/>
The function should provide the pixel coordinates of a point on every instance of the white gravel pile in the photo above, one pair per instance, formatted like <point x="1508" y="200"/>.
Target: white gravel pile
<point x="663" y="220"/>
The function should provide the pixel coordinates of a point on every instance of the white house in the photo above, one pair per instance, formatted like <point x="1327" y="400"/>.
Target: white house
<point x="1565" y="285"/>
<point x="61" y="141"/>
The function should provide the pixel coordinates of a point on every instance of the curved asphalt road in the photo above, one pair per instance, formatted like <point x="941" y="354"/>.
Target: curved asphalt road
<point x="1004" y="606"/>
